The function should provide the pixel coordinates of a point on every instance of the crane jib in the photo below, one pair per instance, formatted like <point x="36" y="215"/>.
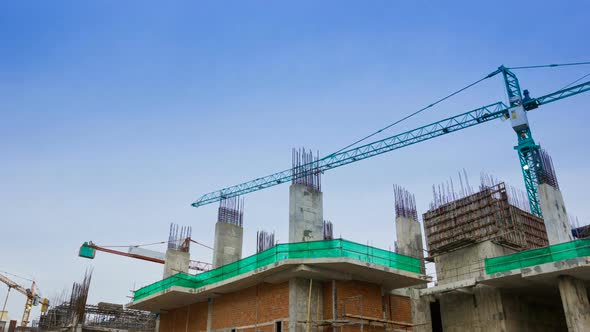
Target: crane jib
<point x="439" y="128"/>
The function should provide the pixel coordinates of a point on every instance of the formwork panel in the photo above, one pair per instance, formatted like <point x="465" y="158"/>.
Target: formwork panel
<point x="485" y="215"/>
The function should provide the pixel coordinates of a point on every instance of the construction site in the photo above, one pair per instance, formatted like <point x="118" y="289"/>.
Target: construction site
<point x="466" y="223"/>
<point x="488" y="257"/>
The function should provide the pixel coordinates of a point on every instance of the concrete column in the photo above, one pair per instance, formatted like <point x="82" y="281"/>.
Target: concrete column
<point x="175" y="262"/>
<point x="409" y="238"/>
<point x="301" y="309"/>
<point x="574" y="297"/>
<point x="556" y="221"/>
<point x="420" y="307"/>
<point x="306" y="214"/>
<point x="210" y="315"/>
<point x="227" y="246"/>
<point x="157" y="328"/>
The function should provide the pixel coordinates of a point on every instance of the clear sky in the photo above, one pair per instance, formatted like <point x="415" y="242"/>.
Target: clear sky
<point x="116" y="115"/>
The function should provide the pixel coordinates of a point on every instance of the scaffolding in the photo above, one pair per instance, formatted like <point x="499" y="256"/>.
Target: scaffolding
<point x="71" y="312"/>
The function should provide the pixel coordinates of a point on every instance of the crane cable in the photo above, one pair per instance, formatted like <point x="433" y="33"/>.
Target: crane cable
<point x="151" y="244"/>
<point x="415" y="113"/>
<point x="579" y="79"/>
<point x="14" y="275"/>
<point x="459" y="91"/>
<point x="552" y="65"/>
<point x="138" y="245"/>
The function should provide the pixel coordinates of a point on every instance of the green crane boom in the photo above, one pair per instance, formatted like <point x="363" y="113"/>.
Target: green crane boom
<point x="527" y="149"/>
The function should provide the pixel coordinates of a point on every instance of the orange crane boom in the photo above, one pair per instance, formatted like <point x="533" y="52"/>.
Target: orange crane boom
<point x="87" y="251"/>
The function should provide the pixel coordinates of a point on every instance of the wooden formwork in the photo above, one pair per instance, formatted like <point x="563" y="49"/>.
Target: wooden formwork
<point x="485" y="215"/>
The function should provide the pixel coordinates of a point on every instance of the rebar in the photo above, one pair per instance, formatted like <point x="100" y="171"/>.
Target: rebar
<point x="179" y="237"/>
<point x="547" y="171"/>
<point x="264" y="240"/>
<point x="68" y="309"/>
<point x="231" y="211"/>
<point x="405" y="203"/>
<point x="328" y="230"/>
<point x="305" y="169"/>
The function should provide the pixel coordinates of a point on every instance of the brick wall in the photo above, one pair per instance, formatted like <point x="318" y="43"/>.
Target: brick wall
<point x="263" y="303"/>
<point x="266" y="303"/>
<point x="373" y="304"/>
<point x="258" y="304"/>
<point x="197" y="318"/>
<point x="176" y="320"/>
<point x="352" y="296"/>
<point x="400" y="309"/>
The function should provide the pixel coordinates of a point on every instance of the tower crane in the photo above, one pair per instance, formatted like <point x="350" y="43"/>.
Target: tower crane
<point x="33" y="299"/>
<point x="516" y="111"/>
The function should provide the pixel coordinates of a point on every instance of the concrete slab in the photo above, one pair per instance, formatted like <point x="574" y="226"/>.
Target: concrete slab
<point x="539" y="275"/>
<point x="316" y="268"/>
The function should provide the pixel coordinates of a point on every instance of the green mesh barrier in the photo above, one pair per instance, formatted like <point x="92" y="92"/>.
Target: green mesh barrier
<point x="554" y="253"/>
<point x="280" y="252"/>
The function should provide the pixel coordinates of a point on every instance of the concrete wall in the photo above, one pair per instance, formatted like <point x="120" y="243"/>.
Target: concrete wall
<point x="175" y="262"/>
<point x="409" y="238"/>
<point x="466" y="262"/>
<point x="554" y="214"/>
<point x="532" y="313"/>
<point x="480" y="311"/>
<point x="306" y="214"/>
<point x="227" y="245"/>
<point x="491" y="309"/>
<point x="574" y="297"/>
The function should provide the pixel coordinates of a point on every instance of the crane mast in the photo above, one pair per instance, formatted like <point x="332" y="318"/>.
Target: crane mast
<point x="528" y="150"/>
<point x="32" y="297"/>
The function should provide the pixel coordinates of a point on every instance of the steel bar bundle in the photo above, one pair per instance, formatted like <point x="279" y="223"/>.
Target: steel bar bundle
<point x="231" y="211"/>
<point x="179" y="238"/>
<point x="305" y="169"/>
<point x="264" y="240"/>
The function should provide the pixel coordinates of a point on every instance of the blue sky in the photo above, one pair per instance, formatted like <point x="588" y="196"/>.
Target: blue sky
<point x="115" y="116"/>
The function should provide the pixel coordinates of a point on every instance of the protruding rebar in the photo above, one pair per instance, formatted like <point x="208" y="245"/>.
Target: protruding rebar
<point x="405" y="203"/>
<point x="231" y="211"/>
<point x="305" y="169"/>
<point x="547" y="171"/>
<point x="446" y="193"/>
<point x="179" y="237"/>
<point x="328" y="230"/>
<point x="264" y="241"/>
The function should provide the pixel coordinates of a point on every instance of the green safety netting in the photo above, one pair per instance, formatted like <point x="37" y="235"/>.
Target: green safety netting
<point x="280" y="252"/>
<point x="554" y="253"/>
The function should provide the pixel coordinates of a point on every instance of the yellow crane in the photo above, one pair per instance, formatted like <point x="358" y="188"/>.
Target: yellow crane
<point x="33" y="299"/>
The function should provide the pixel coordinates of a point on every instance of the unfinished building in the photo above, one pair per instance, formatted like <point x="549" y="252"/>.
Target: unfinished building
<point x="313" y="283"/>
<point x="500" y="268"/>
<point x="72" y="313"/>
<point x="497" y="266"/>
